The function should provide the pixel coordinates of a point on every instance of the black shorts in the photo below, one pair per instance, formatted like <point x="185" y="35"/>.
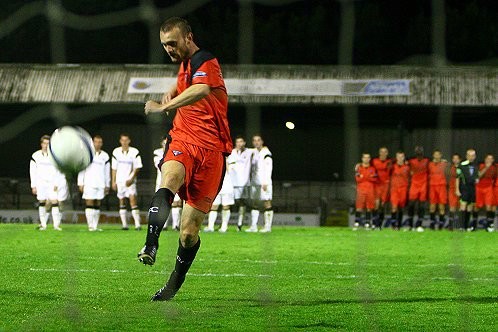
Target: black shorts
<point x="468" y="194"/>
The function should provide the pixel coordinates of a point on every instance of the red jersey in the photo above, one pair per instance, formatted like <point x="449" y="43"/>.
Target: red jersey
<point x="488" y="178"/>
<point x="203" y="123"/>
<point x="383" y="168"/>
<point x="453" y="176"/>
<point x="365" y="178"/>
<point x="400" y="175"/>
<point x="419" y="170"/>
<point x="437" y="173"/>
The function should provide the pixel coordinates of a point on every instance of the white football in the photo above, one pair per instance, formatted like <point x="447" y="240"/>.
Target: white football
<point x="71" y="149"/>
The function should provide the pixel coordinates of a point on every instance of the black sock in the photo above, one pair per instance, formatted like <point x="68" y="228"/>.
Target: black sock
<point x="411" y="209"/>
<point x="159" y="210"/>
<point x="399" y="218"/>
<point x="490" y="217"/>
<point x="433" y="217"/>
<point x="442" y="219"/>
<point x="185" y="257"/>
<point x="466" y="219"/>
<point x="357" y="217"/>
<point x="368" y="217"/>
<point x="421" y="212"/>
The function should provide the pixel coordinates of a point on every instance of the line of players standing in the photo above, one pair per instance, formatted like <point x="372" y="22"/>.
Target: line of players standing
<point x="247" y="180"/>
<point x="467" y="187"/>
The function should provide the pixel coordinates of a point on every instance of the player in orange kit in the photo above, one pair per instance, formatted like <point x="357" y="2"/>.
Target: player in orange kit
<point x="383" y="166"/>
<point x="484" y="189"/>
<point x="400" y="179"/>
<point x="419" y="168"/>
<point x="194" y="163"/>
<point x="366" y="176"/>
<point x="453" y="199"/>
<point x="438" y="194"/>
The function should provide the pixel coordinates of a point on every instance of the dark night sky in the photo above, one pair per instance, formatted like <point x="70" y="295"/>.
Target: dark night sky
<point x="303" y="32"/>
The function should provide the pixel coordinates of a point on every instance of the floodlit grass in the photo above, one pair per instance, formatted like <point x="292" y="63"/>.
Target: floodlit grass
<point x="308" y="279"/>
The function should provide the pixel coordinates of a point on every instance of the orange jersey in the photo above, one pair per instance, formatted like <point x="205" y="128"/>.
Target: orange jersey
<point x="203" y="123"/>
<point x="419" y="170"/>
<point x="437" y="173"/>
<point x="366" y="178"/>
<point x="383" y="168"/>
<point x="453" y="176"/>
<point x="488" y="178"/>
<point x="400" y="176"/>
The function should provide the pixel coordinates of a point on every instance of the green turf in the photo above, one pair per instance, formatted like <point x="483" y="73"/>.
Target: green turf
<point x="292" y="279"/>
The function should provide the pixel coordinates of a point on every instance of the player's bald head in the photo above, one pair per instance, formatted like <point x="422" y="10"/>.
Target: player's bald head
<point x="471" y="155"/>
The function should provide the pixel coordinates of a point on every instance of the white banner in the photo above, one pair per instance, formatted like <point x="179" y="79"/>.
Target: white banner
<point x="286" y="87"/>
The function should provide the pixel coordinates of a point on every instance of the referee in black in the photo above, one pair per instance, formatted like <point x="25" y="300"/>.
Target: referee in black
<point x="467" y="177"/>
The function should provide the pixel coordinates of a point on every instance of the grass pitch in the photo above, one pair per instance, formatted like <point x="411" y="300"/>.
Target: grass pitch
<point x="309" y="279"/>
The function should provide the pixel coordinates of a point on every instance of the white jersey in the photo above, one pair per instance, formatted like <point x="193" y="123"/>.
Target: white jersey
<point x="239" y="166"/>
<point x="42" y="171"/>
<point x="262" y="167"/>
<point x="227" y="186"/>
<point x="125" y="163"/>
<point x="98" y="173"/>
<point x="158" y="155"/>
<point x="45" y="177"/>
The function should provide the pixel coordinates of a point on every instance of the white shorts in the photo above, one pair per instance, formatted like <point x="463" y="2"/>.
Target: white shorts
<point x="224" y="199"/>
<point x="258" y="194"/>
<point x="93" y="193"/>
<point x="45" y="191"/>
<point x="62" y="193"/>
<point x="126" y="192"/>
<point x="241" y="192"/>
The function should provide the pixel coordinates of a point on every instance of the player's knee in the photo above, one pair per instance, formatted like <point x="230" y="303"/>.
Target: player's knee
<point x="189" y="237"/>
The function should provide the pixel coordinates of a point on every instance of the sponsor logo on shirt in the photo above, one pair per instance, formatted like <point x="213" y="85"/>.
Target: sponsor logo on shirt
<point x="200" y="74"/>
<point x="177" y="153"/>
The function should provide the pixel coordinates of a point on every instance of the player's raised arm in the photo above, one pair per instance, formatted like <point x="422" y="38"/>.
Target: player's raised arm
<point x="170" y="94"/>
<point x="191" y="95"/>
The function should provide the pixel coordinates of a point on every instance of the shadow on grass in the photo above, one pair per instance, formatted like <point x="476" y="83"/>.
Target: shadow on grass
<point x="463" y="299"/>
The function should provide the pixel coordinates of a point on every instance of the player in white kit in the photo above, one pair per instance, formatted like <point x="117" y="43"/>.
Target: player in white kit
<point x="48" y="184"/>
<point x="176" y="206"/>
<point x="94" y="182"/>
<point x="226" y="199"/>
<point x="126" y="163"/>
<point x="239" y="170"/>
<point x="261" y="185"/>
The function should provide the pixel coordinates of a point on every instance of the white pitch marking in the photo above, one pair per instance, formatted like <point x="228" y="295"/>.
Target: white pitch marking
<point x="232" y="275"/>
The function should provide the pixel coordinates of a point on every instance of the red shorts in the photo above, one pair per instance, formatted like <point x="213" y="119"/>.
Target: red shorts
<point x="438" y="194"/>
<point x="398" y="196"/>
<point x="484" y="196"/>
<point x="365" y="199"/>
<point x="453" y="199"/>
<point x="382" y="191"/>
<point x="496" y="195"/>
<point x="204" y="171"/>
<point x="418" y="192"/>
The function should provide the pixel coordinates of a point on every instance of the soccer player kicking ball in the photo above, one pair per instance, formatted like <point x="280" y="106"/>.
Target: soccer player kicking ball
<point x="194" y="164"/>
<point x="366" y="177"/>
